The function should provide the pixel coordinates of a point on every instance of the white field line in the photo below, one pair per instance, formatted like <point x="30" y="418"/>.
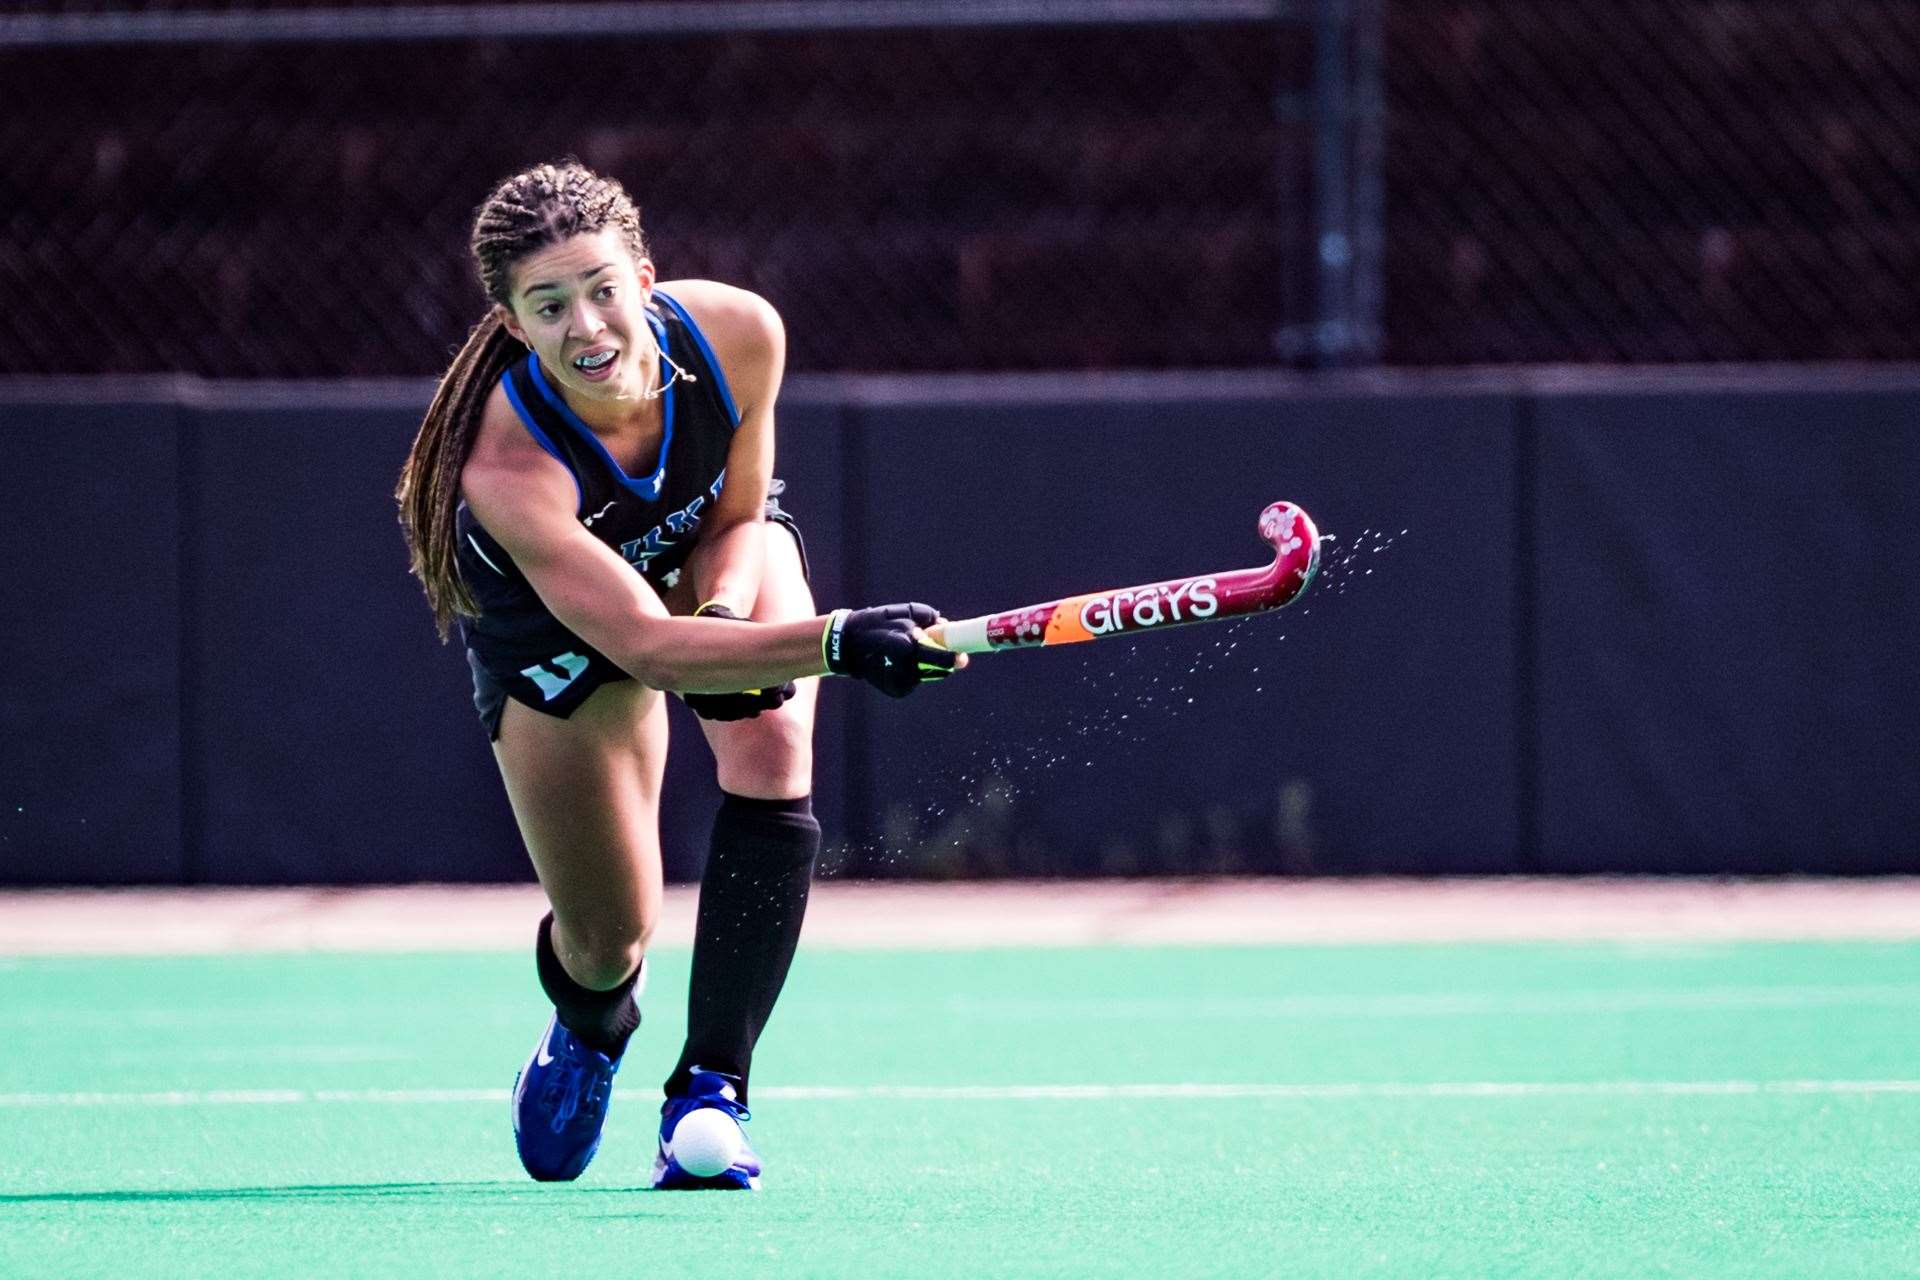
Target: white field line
<point x="1412" y="1005"/>
<point x="1442" y="1004"/>
<point x="1016" y="1092"/>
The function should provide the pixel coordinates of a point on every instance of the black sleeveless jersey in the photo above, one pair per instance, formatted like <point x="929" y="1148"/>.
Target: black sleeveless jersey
<point x="652" y="521"/>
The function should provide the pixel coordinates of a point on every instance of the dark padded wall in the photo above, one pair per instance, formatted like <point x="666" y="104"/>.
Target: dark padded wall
<point x="1378" y="732"/>
<point x="1727" y="633"/>
<point x="90" y="710"/>
<point x="332" y="736"/>
<point x="1652" y="629"/>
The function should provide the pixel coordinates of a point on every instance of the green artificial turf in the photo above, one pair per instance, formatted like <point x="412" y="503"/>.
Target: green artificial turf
<point x="153" y="1175"/>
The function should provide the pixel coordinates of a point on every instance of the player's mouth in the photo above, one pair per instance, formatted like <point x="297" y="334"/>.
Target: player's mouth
<point x="596" y="365"/>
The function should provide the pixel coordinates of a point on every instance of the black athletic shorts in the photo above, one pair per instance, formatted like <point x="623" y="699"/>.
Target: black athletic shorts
<point x="557" y="684"/>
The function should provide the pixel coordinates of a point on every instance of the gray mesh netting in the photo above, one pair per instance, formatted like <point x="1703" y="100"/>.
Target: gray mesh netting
<point x="1652" y="180"/>
<point x="977" y="200"/>
<point x="1626" y="180"/>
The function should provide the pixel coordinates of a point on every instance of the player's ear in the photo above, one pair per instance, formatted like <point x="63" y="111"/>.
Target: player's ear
<point x="511" y="325"/>
<point x="643" y="272"/>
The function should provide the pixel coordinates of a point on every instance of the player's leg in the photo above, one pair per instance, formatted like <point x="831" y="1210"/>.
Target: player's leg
<point x="585" y="792"/>
<point x="753" y="893"/>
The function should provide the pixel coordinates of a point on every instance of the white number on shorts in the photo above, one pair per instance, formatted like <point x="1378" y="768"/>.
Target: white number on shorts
<point x="551" y="685"/>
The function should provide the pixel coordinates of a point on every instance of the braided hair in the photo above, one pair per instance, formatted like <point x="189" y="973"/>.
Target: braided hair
<point x="529" y="211"/>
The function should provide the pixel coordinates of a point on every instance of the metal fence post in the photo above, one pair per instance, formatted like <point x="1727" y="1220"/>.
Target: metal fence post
<point x="1332" y="196"/>
<point x="1347" y="154"/>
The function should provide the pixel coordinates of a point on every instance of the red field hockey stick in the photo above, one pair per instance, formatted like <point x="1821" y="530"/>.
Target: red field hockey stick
<point x="1206" y="597"/>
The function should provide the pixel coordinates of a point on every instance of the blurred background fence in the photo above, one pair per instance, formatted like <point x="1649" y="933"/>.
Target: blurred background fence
<point x="283" y="190"/>
<point x="1675" y="180"/>
<point x="1038" y="192"/>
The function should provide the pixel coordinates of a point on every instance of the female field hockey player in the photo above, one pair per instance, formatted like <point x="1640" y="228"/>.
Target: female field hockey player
<point x="591" y="496"/>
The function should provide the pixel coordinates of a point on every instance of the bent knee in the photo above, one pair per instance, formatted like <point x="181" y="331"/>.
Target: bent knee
<point x="602" y="953"/>
<point x="769" y="757"/>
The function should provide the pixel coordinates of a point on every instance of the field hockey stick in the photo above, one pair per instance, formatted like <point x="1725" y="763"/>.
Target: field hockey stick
<point x="1179" y="602"/>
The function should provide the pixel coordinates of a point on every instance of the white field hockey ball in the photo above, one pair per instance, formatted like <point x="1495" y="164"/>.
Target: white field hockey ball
<point x="706" y="1142"/>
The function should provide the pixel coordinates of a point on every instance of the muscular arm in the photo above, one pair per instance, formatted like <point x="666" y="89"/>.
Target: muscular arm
<point x="751" y="345"/>
<point x="526" y="500"/>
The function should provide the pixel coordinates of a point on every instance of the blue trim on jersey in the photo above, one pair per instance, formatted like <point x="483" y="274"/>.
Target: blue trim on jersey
<point x="541" y="437"/>
<point x="647" y="487"/>
<point x="700" y="340"/>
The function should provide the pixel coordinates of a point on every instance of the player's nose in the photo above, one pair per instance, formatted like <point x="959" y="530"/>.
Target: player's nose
<point x="587" y="322"/>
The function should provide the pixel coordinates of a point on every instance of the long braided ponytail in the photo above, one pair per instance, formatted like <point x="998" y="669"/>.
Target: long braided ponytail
<point x="527" y="212"/>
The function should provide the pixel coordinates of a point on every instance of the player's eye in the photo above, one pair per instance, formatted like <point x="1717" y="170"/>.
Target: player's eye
<point x="606" y="291"/>
<point x="548" y="310"/>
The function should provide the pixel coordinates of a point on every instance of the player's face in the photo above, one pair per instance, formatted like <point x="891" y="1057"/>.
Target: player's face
<point x="580" y="304"/>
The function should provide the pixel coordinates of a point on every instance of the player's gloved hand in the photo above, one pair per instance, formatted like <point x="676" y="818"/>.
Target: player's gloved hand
<point x="733" y="706"/>
<point x="879" y="646"/>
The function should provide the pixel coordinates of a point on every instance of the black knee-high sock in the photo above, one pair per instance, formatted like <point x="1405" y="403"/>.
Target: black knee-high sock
<point x="753" y="895"/>
<point x="604" y="1020"/>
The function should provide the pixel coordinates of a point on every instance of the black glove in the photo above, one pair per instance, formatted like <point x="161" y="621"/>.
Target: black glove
<point x="877" y="645"/>
<point x="733" y="706"/>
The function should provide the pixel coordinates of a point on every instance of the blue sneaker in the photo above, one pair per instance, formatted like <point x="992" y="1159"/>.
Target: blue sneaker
<point x="717" y="1091"/>
<point x="559" y="1103"/>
